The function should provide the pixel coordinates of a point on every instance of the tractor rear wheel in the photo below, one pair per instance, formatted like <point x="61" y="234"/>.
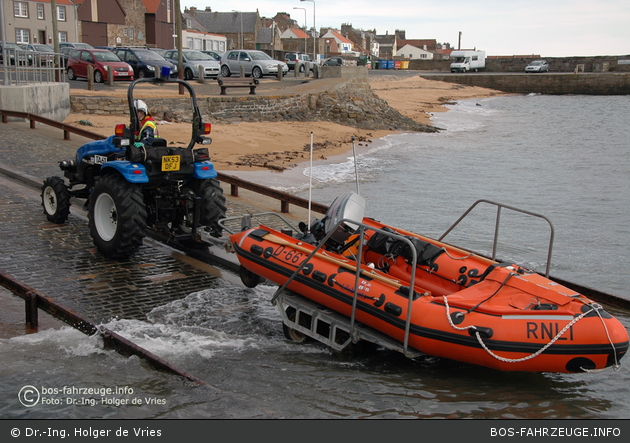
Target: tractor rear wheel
<point x="117" y="216"/>
<point x="212" y="204"/>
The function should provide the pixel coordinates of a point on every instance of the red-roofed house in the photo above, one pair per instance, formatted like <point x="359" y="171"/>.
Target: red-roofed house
<point x="335" y="43"/>
<point x="296" y="40"/>
<point x="127" y="22"/>
<point x="159" y="22"/>
<point x="105" y="23"/>
<point x="29" y="21"/>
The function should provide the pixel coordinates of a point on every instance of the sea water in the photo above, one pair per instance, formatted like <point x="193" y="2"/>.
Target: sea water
<point x="564" y="157"/>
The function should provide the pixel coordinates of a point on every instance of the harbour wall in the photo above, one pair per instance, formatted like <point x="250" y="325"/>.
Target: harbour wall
<point x="518" y="64"/>
<point x="542" y="83"/>
<point x="50" y="100"/>
<point x="351" y="103"/>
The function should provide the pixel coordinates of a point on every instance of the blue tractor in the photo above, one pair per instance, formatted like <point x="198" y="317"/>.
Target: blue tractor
<point x="171" y="190"/>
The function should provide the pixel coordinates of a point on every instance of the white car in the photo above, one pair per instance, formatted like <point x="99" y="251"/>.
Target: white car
<point x="256" y="63"/>
<point x="537" y="66"/>
<point x="191" y="60"/>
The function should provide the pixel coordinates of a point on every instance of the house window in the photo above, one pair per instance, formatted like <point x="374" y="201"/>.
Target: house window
<point x="131" y="33"/>
<point x="40" y="11"/>
<point x="61" y="13"/>
<point x="20" y="9"/>
<point x="63" y="36"/>
<point x="189" y="42"/>
<point x="21" y="36"/>
<point x="198" y="44"/>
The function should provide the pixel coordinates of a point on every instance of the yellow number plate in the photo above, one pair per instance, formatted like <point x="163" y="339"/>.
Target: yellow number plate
<point x="170" y="163"/>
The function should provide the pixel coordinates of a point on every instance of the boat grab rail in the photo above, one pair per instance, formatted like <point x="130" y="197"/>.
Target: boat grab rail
<point x="259" y="214"/>
<point x="496" y="228"/>
<point x="358" y="272"/>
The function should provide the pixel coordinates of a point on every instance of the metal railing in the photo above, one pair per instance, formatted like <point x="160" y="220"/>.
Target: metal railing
<point x="496" y="228"/>
<point x="26" y="67"/>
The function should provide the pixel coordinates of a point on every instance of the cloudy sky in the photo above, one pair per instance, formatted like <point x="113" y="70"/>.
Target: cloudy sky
<point x="549" y="28"/>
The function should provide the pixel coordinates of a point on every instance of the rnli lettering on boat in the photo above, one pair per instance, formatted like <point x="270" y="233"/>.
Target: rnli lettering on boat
<point x="546" y="331"/>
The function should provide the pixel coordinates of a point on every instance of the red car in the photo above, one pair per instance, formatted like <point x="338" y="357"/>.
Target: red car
<point x="80" y="59"/>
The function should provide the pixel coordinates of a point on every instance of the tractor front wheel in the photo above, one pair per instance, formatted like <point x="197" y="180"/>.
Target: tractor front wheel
<point x="56" y="200"/>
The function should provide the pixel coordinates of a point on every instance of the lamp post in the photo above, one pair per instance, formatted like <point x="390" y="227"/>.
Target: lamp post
<point x="315" y="29"/>
<point x="304" y="9"/>
<point x="241" y="36"/>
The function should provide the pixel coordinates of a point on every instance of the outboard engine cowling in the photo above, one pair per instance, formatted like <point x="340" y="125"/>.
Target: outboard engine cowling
<point x="350" y="206"/>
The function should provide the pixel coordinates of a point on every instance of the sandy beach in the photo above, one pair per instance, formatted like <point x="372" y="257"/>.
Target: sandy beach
<point x="248" y="146"/>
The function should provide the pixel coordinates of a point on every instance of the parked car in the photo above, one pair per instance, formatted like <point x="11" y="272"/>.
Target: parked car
<point x="291" y="57"/>
<point x="158" y="50"/>
<point x="333" y="61"/>
<point x="144" y="61"/>
<point x="537" y="66"/>
<point x="65" y="54"/>
<point x="214" y="54"/>
<point x="191" y="60"/>
<point x="100" y="59"/>
<point x="75" y="45"/>
<point x="42" y="55"/>
<point x="24" y="58"/>
<point x="256" y="63"/>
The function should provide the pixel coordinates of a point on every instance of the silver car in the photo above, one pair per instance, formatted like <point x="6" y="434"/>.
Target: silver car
<point x="537" y="66"/>
<point x="255" y="63"/>
<point x="191" y="60"/>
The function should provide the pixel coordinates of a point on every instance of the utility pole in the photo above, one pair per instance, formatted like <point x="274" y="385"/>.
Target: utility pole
<point x="180" y="59"/>
<point x="459" y="41"/>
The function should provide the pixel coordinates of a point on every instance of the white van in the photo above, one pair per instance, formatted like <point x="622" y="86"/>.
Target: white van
<point x="464" y="61"/>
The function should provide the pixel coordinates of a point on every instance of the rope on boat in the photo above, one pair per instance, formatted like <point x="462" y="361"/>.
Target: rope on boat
<point x="541" y="350"/>
<point x="617" y="366"/>
<point x="457" y="258"/>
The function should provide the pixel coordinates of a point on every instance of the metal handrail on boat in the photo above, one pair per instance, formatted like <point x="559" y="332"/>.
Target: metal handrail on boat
<point x="496" y="228"/>
<point x="359" y="272"/>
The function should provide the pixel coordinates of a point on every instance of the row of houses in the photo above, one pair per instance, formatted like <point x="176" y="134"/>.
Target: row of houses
<point x="153" y="23"/>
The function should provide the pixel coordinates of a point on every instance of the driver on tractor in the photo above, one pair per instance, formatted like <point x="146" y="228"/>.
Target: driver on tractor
<point x="148" y="129"/>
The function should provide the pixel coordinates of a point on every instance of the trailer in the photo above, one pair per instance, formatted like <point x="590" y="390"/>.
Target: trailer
<point x="464" y="61"/>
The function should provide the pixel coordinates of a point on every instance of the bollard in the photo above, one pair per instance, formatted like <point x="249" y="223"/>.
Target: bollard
<point x="30" y="305"/>
<point x="296" y="68"/>
<point x="110" y="75"/>
<point x="307" y="69"/>
<point x="202" y="74"/>
<point x="316" y="71"/>
<point x="241" y="71"/>
<point x="280" y="71"/>
<point x="90" y="76"/>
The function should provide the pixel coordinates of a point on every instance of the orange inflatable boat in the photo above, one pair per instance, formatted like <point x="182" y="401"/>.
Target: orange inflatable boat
<point x="462" y="306"/>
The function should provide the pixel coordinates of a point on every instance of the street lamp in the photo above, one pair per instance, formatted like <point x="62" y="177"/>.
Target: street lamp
<point x="314" y="28"/>
<point x="241" y="36"/>
<point x="304" y="9"/>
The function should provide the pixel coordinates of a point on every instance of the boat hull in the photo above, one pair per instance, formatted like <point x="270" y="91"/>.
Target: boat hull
<point x="498" y="316"/>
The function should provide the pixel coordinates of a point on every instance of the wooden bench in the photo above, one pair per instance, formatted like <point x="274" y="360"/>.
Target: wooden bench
<point x="238" y="82"/>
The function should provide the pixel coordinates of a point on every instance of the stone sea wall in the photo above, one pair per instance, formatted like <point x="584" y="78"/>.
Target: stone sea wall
<point x="352" y="103"/>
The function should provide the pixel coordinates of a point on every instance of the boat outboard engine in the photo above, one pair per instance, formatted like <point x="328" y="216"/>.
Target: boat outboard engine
<point x="350" y="206"/>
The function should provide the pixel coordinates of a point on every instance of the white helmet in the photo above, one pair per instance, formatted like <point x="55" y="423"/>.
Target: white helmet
<point x="141" y="106"/>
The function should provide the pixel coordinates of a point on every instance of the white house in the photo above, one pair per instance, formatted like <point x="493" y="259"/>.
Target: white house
<point x="203" y="41"/>
<point x="414" y="53"/>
